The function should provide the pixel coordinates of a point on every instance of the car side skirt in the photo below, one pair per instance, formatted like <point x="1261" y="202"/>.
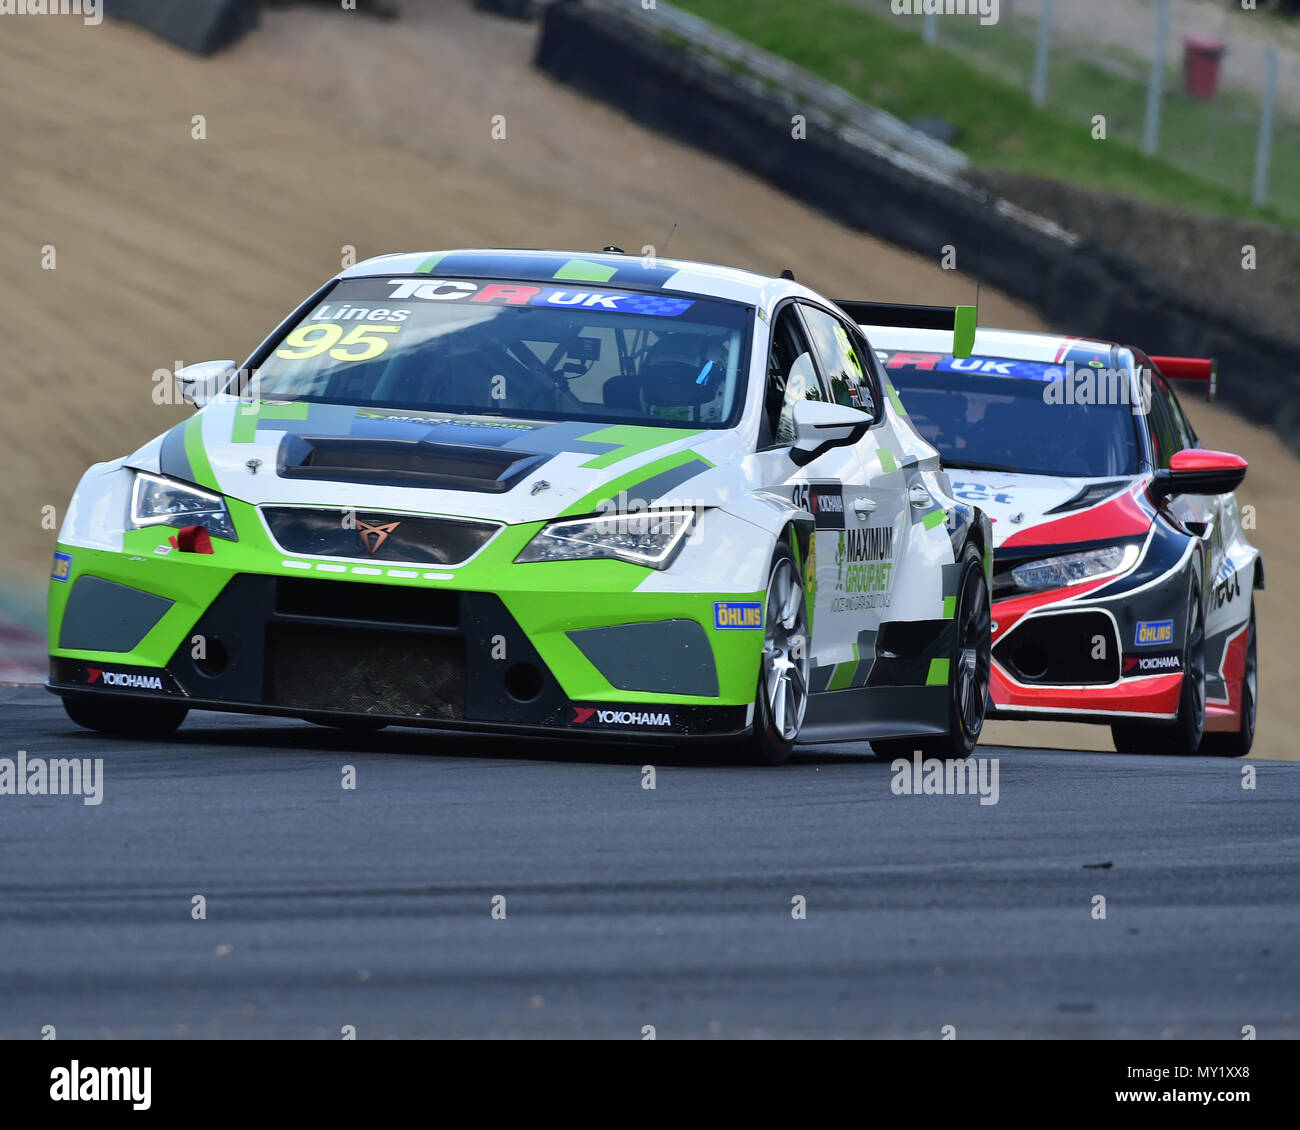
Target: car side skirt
<point x="863" y="713"/>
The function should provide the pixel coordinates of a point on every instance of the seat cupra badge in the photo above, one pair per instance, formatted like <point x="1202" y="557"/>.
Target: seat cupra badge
<point x="366" y="532"/>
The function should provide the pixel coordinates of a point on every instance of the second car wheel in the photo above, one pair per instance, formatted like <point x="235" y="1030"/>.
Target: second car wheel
<point x="1237" y="743"/>
<point x="1182" y="736"/>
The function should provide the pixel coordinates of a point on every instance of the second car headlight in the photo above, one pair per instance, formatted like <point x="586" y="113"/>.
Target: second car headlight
<point x="1071" y="568"/>
<point x="159" y="501"/>
<point x="652" y="538"/>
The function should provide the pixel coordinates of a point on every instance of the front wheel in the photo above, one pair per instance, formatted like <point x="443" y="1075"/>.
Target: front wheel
<point x="124" y="717"/>
<point x="968" y="673"/>
<point x="1238" y="743"/>
<point x="782" y="695"/>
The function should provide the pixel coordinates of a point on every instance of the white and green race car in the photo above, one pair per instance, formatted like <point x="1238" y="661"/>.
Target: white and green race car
<point x="538" y="492"/>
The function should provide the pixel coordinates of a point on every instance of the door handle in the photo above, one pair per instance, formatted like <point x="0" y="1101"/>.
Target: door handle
<point x="864" y="506"/>
<point x="918" y="496"/>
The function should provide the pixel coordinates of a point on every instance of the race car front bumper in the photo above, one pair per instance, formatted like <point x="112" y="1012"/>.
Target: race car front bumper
<point x="1059" y="657"/>
<point x="554" y="647"/>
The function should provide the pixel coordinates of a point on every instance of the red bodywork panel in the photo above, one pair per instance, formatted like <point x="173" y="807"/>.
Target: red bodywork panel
<point x="1121" y="517"/>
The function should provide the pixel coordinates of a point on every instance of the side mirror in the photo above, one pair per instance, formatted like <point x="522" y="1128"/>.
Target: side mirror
<point x="1196" y="471"/>
<point x="819" y="426"/>
<point x="199" y="384"/>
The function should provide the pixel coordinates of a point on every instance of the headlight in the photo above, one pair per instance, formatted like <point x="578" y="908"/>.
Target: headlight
<point x="652" y="538"/>
<point x="1071" y="568"/>
<point x="157" y="501"/>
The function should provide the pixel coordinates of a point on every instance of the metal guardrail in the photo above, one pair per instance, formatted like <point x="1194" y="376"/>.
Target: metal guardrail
<point x="856" y="122"/>
<point x="599" y="48"/>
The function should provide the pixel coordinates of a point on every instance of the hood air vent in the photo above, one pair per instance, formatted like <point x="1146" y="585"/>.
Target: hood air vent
<point x="404" y="463"/>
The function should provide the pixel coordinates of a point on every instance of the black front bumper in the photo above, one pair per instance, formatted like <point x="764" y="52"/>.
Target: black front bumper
<point x="337" y="650"/>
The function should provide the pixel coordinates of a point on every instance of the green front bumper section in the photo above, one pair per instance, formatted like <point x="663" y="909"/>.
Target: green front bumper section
<point x="550" y="602"/>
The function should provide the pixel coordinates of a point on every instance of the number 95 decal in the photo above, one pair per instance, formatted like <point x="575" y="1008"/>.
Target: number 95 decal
<point x="362" y="344"/>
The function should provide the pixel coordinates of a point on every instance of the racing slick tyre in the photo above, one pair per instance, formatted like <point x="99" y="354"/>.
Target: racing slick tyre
<point x="1181" y="737"/>
<point x="1238" y="743"/>
<point x="782" y="694"/>
<point x="129" y="719"/>
<point x="968" y="673"/>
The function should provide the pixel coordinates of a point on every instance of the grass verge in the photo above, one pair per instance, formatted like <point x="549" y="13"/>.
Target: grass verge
<point x="891" y="67"/>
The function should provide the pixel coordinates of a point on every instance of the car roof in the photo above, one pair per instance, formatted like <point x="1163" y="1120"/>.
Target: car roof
<point x="587" y="268"/>
<point x="1012" y="344"/>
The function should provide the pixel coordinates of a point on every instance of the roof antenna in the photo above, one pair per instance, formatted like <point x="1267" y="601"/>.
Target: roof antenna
<point x="979" y="280"/>
<point x="786" y="273"/>
<point x="664" y="250"/>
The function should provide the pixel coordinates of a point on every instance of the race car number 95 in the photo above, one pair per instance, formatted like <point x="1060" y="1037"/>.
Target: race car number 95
<point x="361" y="344"/>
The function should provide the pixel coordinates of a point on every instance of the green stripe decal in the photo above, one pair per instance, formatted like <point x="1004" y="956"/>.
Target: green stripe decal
<point x="430" y="263"/>
<point x="843" y="674"/>
<point x="579" y="270"/>
<point x="194" y="452"/>
<point x="934" y="518"/>
<point x="632" y="441"/>
<point x="588" y="504"/>
<point x="894" y="399"/>
<point x="244" y="429"/>
<point x="938" y="674"/>
<point x="887" y="460"/>
<point x="949" y="607"/>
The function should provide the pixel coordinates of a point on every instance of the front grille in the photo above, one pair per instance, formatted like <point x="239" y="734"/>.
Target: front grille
<point x="363" y="671"/>
<point x="1076" y="649"/>
<point x="373" y="535"/>
<point x="352" y="600"/>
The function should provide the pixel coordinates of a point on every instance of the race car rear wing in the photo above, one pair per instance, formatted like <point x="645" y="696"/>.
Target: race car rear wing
<point x="961" y="320"/>
<point x="1191" y="369"/>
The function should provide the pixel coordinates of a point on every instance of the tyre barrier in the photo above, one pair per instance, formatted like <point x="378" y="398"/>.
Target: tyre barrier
<point x="201" y="26"/>
<point x="515" y="9"/>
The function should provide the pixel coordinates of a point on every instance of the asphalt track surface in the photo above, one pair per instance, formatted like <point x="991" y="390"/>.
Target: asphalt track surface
<point x="627" y="907"/>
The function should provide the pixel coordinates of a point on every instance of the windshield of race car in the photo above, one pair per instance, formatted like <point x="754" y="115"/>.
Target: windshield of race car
<point x="994" y="414"/>
<point x="576" y="351"/>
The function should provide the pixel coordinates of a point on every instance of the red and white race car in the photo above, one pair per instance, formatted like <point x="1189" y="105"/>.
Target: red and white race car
<point x="1123" y="582"/>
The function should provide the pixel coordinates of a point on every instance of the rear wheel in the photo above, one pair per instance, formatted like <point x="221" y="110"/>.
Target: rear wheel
<point x="1238" y="743"/>
<point x="125" y="717"/>
<point x="1182" y="736"/>
<point x="782" y="695"/>
<point x="968" y="673"/>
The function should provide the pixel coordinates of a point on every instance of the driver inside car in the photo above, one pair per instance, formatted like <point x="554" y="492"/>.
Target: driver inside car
<point x="683" y="377"/>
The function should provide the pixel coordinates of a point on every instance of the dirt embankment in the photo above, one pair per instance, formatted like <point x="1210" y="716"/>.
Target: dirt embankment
<point x="326" y="132"/>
